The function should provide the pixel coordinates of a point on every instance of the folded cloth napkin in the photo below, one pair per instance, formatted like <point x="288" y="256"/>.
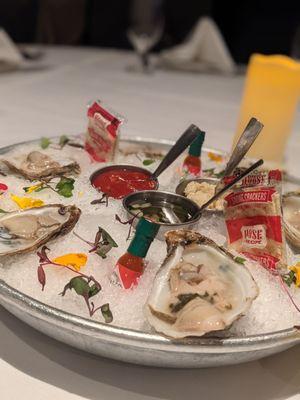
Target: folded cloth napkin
<point x="204" y="50"/>
<point x="10" y="56"/>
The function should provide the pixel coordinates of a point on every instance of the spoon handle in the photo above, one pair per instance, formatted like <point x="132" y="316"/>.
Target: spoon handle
<point x="182" y="143"/>
<point x="246" y="140"/>
<point x="232" y="183"/>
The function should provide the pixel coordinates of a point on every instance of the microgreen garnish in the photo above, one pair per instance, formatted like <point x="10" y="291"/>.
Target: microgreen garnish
<point x="45" y="260"/>
<point x="148" y="161"/>
<point x="128" y="222"/>
<point x="102" y="244"/>
<point x="41" y="276"/>
<point x="103" y="200"/>
<point x="45" y="143"/>
<point x="65" y="186"/>
<point x="83" y="285"/>
<point x="63" y="140"/>
<point x="289" y="278"/>
<point x="220" y="174"/>
<point x="107" y="314"/>
<point x="211" y="172"/>
<point x="240" y="260"/>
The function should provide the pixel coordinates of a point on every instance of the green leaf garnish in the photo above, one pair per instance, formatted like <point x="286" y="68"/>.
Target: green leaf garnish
<point x="3" y="212"/>
<point x="104" y="243"/>
<point x="82" y="287"/>
<point x="211" y="172"/>
<point x="219" y="174"/>
<point x="107" y="238"/>
<point x="63" y="140"/>
<point x="240" y="260"/>
<point x="107" y="314"/>
<point x="148" y="161"/>
<point x="94" y="289"/>
<point x="65" y="187"/>
<point x="45" y="142"/>
<point x="289" y="278"/>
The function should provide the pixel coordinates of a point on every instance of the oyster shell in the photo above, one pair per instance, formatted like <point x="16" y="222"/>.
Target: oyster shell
<point x="199" y="288"/>
<point x="23" y="231"/>
<point x="291" y="217"/>
<point x="37" y="165"/>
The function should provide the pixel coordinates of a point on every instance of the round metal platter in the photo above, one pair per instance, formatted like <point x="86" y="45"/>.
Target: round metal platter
<point x="136" y="346"/>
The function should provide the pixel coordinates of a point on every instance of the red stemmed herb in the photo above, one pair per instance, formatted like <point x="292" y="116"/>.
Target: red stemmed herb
<point x="102" y="244"/>
<point x="83" y="285"/>
<point x="128" y="222"/>
<point x="103" y="200"/>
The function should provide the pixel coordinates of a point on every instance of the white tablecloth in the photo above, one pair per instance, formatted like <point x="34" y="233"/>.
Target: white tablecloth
<point x="50" y="101"/>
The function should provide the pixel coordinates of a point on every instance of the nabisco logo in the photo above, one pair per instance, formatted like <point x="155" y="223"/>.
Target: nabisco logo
<point x="254" y="236"/>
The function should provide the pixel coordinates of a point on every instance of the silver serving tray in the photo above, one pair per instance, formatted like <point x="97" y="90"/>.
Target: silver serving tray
<point x="136" y="346"/>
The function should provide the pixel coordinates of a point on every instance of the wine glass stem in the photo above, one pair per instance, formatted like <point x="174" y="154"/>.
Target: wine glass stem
<point x="145" y="60"/>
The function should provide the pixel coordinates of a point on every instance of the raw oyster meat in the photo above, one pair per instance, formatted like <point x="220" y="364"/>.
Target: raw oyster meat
<point x="37" y="165"/>
<point x="23" y="231"/>
<point x="199" y="288"/>
<point x="291" y="218"/>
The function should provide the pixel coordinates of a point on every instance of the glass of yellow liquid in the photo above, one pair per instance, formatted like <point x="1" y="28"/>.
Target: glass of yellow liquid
<point x="271" y="95"/>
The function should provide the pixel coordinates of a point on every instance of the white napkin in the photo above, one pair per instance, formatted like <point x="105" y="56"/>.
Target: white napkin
<point x="204" y="50"/>
<point x="10" y="56"/>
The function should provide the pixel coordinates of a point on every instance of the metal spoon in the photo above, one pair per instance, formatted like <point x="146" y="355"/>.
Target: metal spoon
<point x="182" y="143"/>
<point x="170" y="215"/>
<point x="228" y="186"/>
<point x="244" y="143"/>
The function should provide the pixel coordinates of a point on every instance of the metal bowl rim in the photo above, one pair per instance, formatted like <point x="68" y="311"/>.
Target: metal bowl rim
<point x="191" y="221"/>
<point x="116" y="166"/>
<point x="189" y="180"/>
<point x="46" y="312"/>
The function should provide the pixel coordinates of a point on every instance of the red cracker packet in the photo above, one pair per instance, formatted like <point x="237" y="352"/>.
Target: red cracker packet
<point x="253" y="219"/>
<point x="102" y="132"/>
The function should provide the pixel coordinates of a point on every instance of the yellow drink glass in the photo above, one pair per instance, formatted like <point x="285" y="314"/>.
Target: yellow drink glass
<point x="271" y="94"/>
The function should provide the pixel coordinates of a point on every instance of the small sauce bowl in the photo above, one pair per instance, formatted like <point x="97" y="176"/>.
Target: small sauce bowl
<point x="137" y="183"/>
<point x="183" y="184"/>
<point x="161" y="198"/>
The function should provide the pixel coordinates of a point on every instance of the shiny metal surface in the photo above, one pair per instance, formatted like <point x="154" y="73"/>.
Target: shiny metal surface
<point x="244" y="143"/>
<point x="141" y="347"/>
<point x="152" y="196"/>
<point x="183" y="184"/>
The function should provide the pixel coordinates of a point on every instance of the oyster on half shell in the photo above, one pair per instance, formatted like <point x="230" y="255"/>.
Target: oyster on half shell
<point x="22" y="231"/>
<point x="37" y="165"/>
<point x="291" y="217"/>
<point x="199" y="288"/>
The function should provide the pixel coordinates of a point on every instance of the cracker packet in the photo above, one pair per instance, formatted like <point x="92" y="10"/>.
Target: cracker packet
<point x="102" y="132"/>
<point x="253" y="218"/>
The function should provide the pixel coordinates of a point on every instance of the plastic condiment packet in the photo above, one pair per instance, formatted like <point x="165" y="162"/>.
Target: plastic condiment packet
<point x="102" y="132"/>
<point x="257" y="178"/>
<point x="253" y="219"/>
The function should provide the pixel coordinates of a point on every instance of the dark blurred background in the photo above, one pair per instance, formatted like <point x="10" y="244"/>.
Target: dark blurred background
<point x="247" y="26"/>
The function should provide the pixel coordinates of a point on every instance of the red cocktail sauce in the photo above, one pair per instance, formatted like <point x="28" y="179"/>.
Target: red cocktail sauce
<point x="118" y="183"/>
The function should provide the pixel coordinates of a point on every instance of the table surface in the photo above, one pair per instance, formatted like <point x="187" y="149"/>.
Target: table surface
<point x="50" y="99"/>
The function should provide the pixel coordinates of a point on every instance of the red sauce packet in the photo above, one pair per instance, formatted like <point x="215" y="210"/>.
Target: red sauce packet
<point x="102" y="132"/>
<point x="253" y="219"/>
